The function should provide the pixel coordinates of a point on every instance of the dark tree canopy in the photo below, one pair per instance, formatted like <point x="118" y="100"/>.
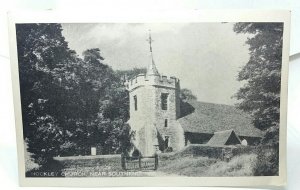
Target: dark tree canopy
<point x="187" y="95"/>
<point x="130" y="74"/>
<point x="68" y="104"/>
<point x="260" y="96"/>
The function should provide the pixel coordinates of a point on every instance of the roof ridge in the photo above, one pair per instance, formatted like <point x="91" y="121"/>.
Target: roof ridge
<point x="227" y="130"/>
<point x="213" y="118"/>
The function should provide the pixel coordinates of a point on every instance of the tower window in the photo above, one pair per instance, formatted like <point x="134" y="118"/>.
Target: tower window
<point x="135" y="102"/>
<point x="166" y="122"/>
<point x="164" y="101"/>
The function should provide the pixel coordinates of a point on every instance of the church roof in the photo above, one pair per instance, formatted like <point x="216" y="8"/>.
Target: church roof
<point x="152" y="70"/>
<point x="201" y="117"/>
<point x="227" y="137"/>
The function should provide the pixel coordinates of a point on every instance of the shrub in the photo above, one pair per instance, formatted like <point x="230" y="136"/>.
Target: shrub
<point x="241" y="165"/>
<point x="203" y="150"/>
<point x="68" y="149"/>
<point x="268" y="153"/>
<point x="29" y="162"/>
<point x="268" y="161"/>
<point x="136" y="153"/>
<point x="169" y="149"/>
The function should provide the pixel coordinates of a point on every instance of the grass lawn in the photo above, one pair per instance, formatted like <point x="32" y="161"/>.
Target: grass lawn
<point x="203" y="166"/>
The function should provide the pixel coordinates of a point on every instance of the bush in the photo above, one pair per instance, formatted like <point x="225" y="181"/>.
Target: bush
<point x="136" y="153"/>
<point x="268" y="153"/>
<point x="68" y="149"/>
<point x="268" y="161"/>
<point x="241" y="165"/>
<point x="51" y="166"/>
<point x="169" y="149"/>
<point x="203" y="150"/>
<point x="29" y="162"/>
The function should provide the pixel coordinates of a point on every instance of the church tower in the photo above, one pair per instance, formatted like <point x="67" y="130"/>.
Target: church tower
<point x="154" y="109"/>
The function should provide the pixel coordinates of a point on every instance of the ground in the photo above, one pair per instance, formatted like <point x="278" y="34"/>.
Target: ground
<point x="203" y="166"/>
<point x="169" y="165"/>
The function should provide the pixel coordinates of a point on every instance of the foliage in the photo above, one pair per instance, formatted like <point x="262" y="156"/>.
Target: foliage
<point x="261" y="94"/>
<point x="68" y="103"/>
<point x="29" y="162"/>
<point x="184" y="165"/>
<point x="242" y="165"/>
<point x="130" y="74"/>
<point x="197" y="166"/>
<point x="168" y="149"/>
<point x="42" y="56"/>
<point x="268" y="161"/>
<point x="187" y="95"/>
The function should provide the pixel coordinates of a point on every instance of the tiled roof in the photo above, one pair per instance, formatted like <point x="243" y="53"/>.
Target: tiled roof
<point x="152" y="70"/>
<point x="210" y="118"/>
<point x="221" y="138"/>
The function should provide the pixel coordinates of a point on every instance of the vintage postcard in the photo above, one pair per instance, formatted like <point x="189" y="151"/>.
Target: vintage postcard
<point x="194" y="98"/>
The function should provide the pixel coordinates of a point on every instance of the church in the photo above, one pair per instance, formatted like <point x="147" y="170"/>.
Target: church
<point x="162" y="121"/>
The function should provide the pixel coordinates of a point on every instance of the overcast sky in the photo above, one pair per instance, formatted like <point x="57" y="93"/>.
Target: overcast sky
<point x="206" y="57"/>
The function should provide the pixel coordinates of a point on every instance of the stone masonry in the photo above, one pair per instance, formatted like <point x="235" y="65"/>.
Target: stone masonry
<point x="156" y="128"/>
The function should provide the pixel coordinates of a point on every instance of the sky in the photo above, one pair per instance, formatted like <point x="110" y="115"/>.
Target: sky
<point x="206" y="57"/>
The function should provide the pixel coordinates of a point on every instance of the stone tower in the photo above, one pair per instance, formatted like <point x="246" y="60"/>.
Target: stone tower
<point x="154" y="109"/>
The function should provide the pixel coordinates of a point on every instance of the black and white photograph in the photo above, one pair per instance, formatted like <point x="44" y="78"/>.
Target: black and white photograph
<point x="165" y="99"/>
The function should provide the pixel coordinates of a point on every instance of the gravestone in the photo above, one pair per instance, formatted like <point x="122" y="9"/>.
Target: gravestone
<point x="93" y="151"/>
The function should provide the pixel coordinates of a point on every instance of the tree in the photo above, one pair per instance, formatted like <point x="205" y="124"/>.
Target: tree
<point x="110" y="99"/>
<point x="130" y="74"/>
<point x="260" y="96"/>
<point x="68" y="104"/>
<point x="187" y="95"/>
<point x="43" y="57"/>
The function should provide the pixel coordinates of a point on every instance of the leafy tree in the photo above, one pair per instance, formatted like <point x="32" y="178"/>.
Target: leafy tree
<point x="111" y="100"/>
<point x="42" y="55"/>
<point x="260" y="96"/>
<point x="68" y="103"/>
<point x="187" y="95"/>
<point x="129" y="74"/>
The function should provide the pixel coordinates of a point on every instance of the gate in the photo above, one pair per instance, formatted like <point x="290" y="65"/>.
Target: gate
<point x="139" y="162"/>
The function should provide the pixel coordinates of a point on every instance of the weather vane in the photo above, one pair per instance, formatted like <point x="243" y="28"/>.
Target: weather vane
<point x="150" y="40"/>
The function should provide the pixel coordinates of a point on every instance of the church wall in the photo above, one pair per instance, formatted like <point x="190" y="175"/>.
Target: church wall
<point x="178" y="101"/>
<point x="173" y="130"/>
<point x="145" y="100"/>
<point x="233" y="140"/>
<point x="141" y="120"/>
<point x="149" y="120"/>
<point x="197" y="138"/>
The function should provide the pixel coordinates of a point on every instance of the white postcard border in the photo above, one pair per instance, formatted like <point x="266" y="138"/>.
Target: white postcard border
<point x="148" y="17"/>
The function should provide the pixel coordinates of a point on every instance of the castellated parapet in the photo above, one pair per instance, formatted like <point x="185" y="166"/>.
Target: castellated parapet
<point x="155" y="128"/>
<point x="152" y="80"/>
